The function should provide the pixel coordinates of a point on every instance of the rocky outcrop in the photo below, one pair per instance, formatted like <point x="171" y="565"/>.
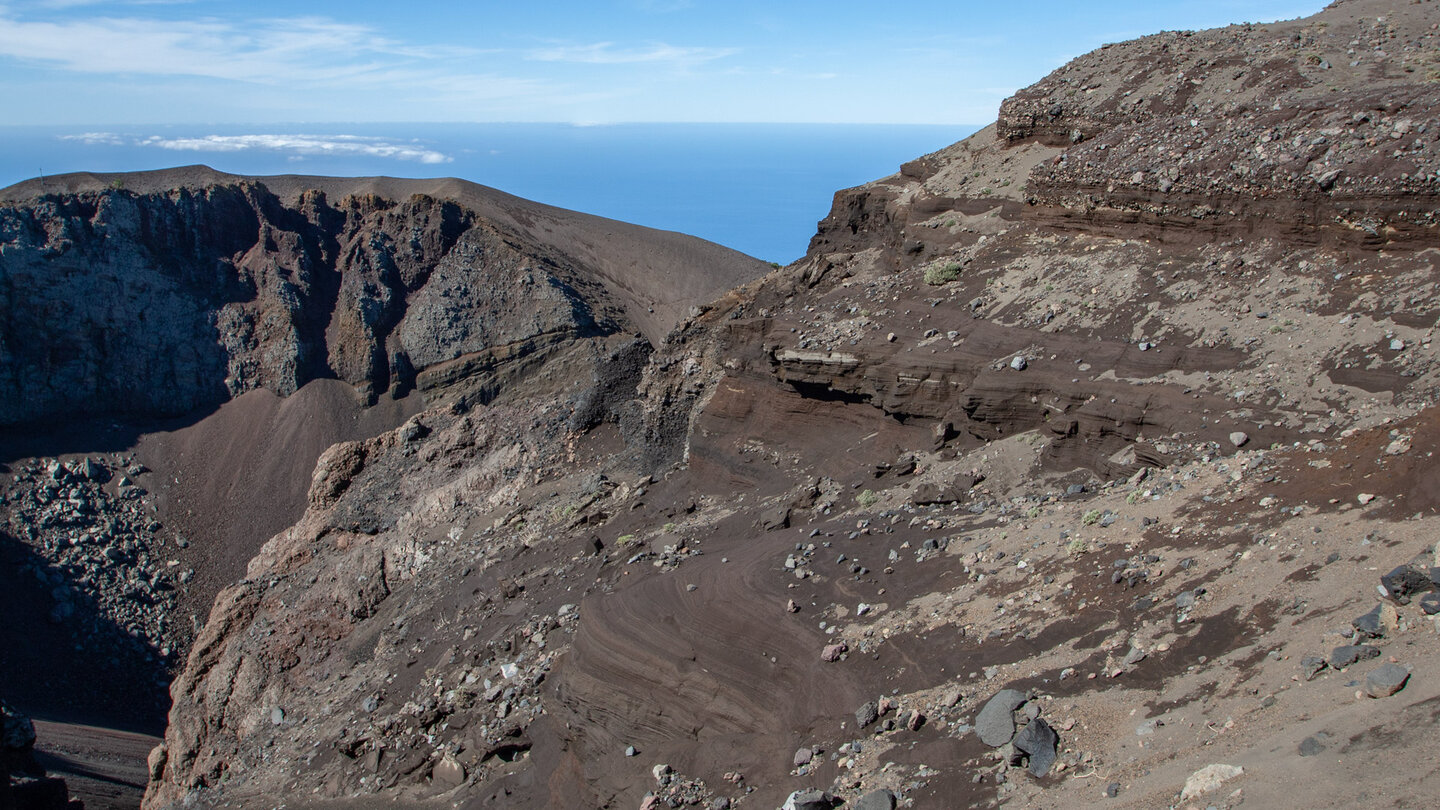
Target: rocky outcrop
<point x="173" y="299"/>
<point x="1217" y="154"/>
<point x="1314" y="131"/>
<point x="306" y="616"/>
<point x="192" y="293"/>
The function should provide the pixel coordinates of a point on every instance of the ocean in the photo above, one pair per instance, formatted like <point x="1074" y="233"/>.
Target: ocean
<point x="758" y="188"/>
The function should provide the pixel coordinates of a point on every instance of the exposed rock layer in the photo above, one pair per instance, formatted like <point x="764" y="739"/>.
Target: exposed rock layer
<point x="178" y="290"/>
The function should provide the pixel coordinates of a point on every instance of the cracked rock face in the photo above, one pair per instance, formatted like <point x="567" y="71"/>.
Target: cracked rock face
<point x="173" y="299"/>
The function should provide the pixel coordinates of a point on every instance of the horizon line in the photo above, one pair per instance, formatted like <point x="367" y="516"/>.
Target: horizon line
<point x="574" y="124"/>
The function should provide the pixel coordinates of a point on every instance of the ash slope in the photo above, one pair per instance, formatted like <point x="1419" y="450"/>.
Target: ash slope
<point x="1125" y="403"/>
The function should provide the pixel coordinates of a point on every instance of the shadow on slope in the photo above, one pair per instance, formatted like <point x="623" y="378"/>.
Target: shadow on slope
<point x="53" y="671"/>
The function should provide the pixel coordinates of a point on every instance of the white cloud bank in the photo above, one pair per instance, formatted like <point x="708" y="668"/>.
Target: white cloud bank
<point x="293" y="145"/>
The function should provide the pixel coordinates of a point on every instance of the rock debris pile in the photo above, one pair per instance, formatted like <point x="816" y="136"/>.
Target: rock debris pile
<point x="100" y="551"/>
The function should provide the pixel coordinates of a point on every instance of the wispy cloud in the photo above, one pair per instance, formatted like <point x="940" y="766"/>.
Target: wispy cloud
<point x="305" y="67"/>
<point x="293" y="145"/>
<point x="271" y="51"/>
<point x="608" y="53"/>
<point x="96" y="139"/>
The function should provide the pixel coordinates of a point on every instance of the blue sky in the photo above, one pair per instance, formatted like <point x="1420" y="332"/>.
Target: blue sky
<point x="65" y="62"/>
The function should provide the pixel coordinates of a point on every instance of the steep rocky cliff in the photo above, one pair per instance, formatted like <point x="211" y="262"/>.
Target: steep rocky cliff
<point x="175" y="291"/>
<point x="177" y="349"/>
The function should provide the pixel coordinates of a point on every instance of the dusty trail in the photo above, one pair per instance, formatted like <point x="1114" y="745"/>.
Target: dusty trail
<point x="105" y="768"/>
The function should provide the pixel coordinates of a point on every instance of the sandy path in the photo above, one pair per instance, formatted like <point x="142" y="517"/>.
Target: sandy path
<point x="104" y="768"/>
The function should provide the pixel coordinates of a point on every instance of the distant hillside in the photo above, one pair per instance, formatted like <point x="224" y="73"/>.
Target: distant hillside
<point x="161" y="292"/>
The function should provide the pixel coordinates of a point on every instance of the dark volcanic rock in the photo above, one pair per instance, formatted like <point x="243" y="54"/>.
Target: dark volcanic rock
<point x="866" y="714"/>
<point x="930" y="493"/>
<point x="995" y="724"/>
<point x="810" y="799"/>
<point x="1038" y="740"/>
<point x="876" y="800"/>
<point x="1370" y="624"/>
<point x="1405" y="582"/>
<point x="1311" y="666"/>
<point x="1342" y="657"/>
<point x="1386" y="680"/>
<point x="776" y="519"/>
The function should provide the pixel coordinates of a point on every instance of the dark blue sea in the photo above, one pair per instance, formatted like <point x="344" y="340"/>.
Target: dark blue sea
<point x="758" y="188"/>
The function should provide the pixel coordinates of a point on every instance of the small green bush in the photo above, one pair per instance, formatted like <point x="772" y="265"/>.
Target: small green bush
<point x="942" y="273"/>
<point x="1091" y="518"/>
<point x="867" y="498"/>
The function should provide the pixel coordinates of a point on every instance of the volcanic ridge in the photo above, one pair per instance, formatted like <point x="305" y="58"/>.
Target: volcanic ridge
<point x="1086" y="462"/>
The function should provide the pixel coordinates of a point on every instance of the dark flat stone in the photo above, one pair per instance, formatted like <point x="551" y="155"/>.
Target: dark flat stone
<point x="1342" y="657"/>
<point x="876" y="800"/>
<point x="1369" y="625"/>
<point x="996" y="724"/>
<point x="1038" y="740"/>
<point x="1312" y="665"/>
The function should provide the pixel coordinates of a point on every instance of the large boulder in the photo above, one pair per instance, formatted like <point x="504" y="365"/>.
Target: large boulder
<point x="1038" y="741"/>
<point x="996" y="722"/>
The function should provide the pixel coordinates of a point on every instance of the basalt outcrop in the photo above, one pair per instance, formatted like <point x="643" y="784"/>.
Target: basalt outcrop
<point x="172" y="292"/>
